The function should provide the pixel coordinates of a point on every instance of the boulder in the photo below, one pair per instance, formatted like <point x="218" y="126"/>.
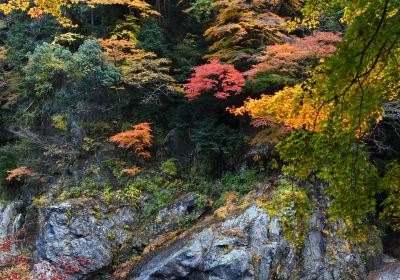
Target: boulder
<point x="251" y="245"/>
<point x="82" y="235"/>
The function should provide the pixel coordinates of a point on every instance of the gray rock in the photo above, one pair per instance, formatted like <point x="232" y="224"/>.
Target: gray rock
<point x="252" y="246"/>
<point x="11" y="222"/>
<point x="82" y="235"/>
<point x="167" y="220"/>
<point x="390" y="271"/>
<point x="11" y="218"/>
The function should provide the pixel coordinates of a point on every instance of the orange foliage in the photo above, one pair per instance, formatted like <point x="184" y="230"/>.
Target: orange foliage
<point x="133" y="171"/>
<point x="20" y="172"/>
<point x="117" y="51"/>
<point x="139" y="138"/>
<point x="287" y="57"/>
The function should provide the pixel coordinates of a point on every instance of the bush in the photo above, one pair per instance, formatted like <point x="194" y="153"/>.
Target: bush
<point x="169" y="167"/>
<point x="241" y="184"/>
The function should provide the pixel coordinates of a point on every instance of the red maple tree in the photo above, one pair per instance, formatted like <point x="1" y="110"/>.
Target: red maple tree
<point x="221" y="80"/>
<point x="290" y="56"/>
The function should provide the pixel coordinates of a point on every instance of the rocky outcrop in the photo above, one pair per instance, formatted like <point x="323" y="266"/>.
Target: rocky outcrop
<point x="82" y="234"/>
<point x="88" y="235"/>
<point x="390" y="270"/>
<point x="82" y="239"/>
<point x="11" y="222"/>
<point x="252" y="246"/>
<point x="168" y="219"/>
<point x="11" y="218"/>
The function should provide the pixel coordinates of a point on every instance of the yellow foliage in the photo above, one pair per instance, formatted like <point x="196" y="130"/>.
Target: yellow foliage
<point x="40" y="7"/>
<point x="140" y="5"/>
<point x="241" y="24"/>
<point x="229" y="199"/>
<point x="292" y="107"/>
<point x="37" y="8"/>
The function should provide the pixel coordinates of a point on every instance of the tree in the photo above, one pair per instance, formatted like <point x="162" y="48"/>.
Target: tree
<point x="52" y="68"/>
<point x="92" y="67"/>
<point x="291" y="57"/>
<point x="291" y="107"/>
<point x="139" y="138"/>
<point x="39" y="8"/>
<point x="242" y="26"/>
<point x="221" y="80"/>
<point x="47" y="67"/>
<point x="347" y="93"/>
<point x="55" y="8"/>
<point x="141" y="69"/>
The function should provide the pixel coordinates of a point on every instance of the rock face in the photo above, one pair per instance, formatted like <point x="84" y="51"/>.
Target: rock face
<point x="89" y="236"/>
<point x="167" y="220"/>
<point x="390" y="270"/>
<point x="82" y="235"/>
<point x="11" y="221"/>
<point x="252" y="246"/>
<point x="11" y="218"/>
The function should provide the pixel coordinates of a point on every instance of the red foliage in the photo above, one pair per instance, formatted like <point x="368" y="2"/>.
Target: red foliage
<point x="16" y="264"/>
<point x="287" y="57"/>
<point x="221" y="80"/>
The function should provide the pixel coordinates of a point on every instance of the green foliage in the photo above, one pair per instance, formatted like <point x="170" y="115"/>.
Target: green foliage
<point x="160" y="199"/>
<point x="202" y="9"/>
<point x="68" y="38"/>
<point x="201" y="201"/>
<point x="56" y="80"/>
<point x="214" y="140"/>
<point x="130" y="194"/>
<point x="60" y="122"/>
<point x="169" y="167"/>
<point x="267" y="82"/>
<point x="391" y="205"/>
<point x="352" y="180"/>
<point x="48" y="66"/>
<point x="23" y="36"/>
<point x="126" y="29"/>
<point x="186" y="221"/>
<point x="152" y="37"/>
<point x="241" y="184"/>
<point x="92" y="67"/>
<point x="186" y="54"/>
<point x="198" y="184"/>
<point x="291" y="204"/>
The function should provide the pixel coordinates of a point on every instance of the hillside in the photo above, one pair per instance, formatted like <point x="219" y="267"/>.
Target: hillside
<point x="199" y="139"/>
